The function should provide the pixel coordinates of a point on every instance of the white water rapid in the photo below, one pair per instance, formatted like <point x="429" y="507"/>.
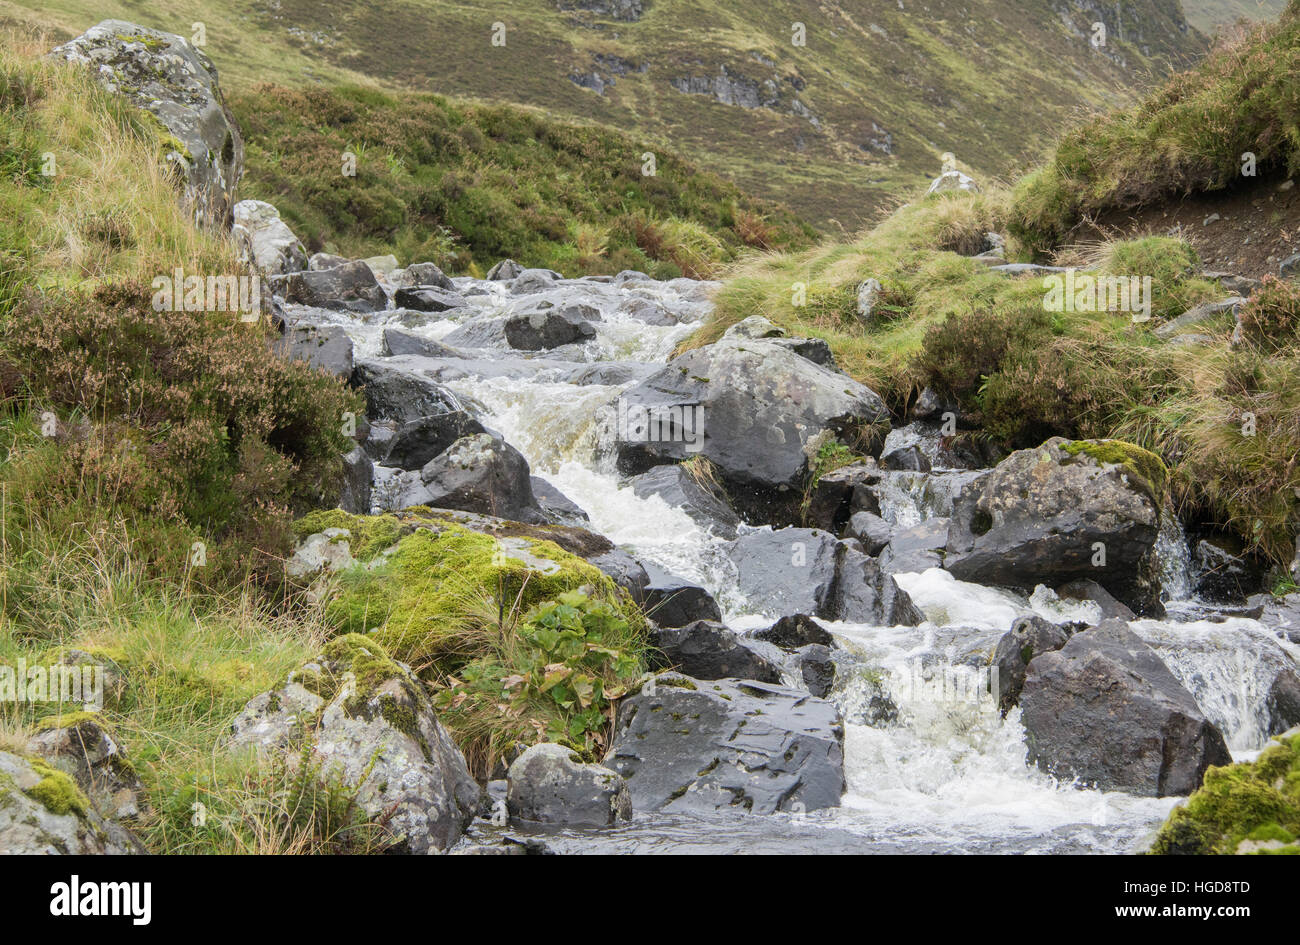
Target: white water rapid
<point x="947" y="774"/>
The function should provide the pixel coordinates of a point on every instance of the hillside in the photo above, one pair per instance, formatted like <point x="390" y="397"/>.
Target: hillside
<point x="1209" y="15"/>
<point x="833" y="128"/>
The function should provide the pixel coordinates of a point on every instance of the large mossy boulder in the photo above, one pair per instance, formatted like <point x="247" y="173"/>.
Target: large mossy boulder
<point x="43" y="811"/>
<point x="1252" y="807"/>
<point x="1106" y="710"/>
<point x="366" y="726"/>
<point x="1081" y="510"/>
<point x="177" y="84"/>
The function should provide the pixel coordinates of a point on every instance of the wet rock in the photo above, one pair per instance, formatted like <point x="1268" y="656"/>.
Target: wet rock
<point x="532" y="281"/>
<point x="550" y="784"/>
<point x="327" y="347"/>
<point x="871" y="530"/>
<point x="1086" y="590"/>
<point x="358" y="479"/>
<point x="757" y="411"/>
<point x="916" y="549"/>
<point x="1106" y="710"/>
<point x="504" y="271"/>
<point x="1058" y="513"/>
<point x="688" y="745"/>
<point x="625" y="570"/>
<point x="398" y="390"/>
<point x="166" y="76"/>
<point x="865" y="593"/>
<point x="672" y="601"/>
<point x="428" y="298"/>
<point x="706" y="649"/>
<point x="479" y="473"/>
<point x="676" y="486"/>
<point x="788" y="571"/>
<point x="82" y="746"/>
<point x="424" y="274"/>
<point x="795" y="631"/>
<point x="397" y="343"/>
<point x="840" y="493"/>
<point x="545" y="329"/>
<point x="367" y="724"/>
<point x="1223" y="575"/>
<point x="1028" y="637"/>
<point x="269" y="241"/>
<point x="415" y="443"/>
<point x="910" y="457"/>
<point x="816" y="666"/>
<point x="43" y="811"/>
<point x="350" y="287"/>
<point x="557" y="506"/>
<point x="1283" y="701"/>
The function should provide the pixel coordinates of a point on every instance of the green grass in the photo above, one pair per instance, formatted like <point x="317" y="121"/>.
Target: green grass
<point x="1190" y="135"/>
<point x="468" y="185"/>
<point x="1208" y="15"/>
<point x="991" y="85"/>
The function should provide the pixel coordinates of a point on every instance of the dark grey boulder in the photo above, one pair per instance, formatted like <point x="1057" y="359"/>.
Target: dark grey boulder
<point x="550" y="784"/>
<point x="530" y="281"/>
<point x="424" y="274"/>
<point x="482" y="474"/>
<point x="397" y="390"/>
<point x="1223" y="574"/>
<point x="1106" y="710"/>
<point x="816" y="667"/>
<point x="705" y="505"/>
<point x="327" y="347"/>
<point x="545" y="329"/>
<point x="1083" y="589"/>
<point x="795" y="631"/>
<point x="397" y="342"/>
<point x="351" y="287"/>
<point x="358" y="477"/>
<point x="706" y="649"/>
<point x="1028" y="637"/>
<point x="416" y="442"/>
<point x="672" y="601"/>
<point x="428" y="298"/>
<point x="687" y="745"/>
<point x="557" y="506"/>
<point x="1055" y="514"/>
<point x="625" y="570"/>
<point x="917" y="548"/>
<point x="871" y="530"/>
<point x="865" y="593"/>
<point x="841" y="493"/>
<point x="757" y="411"/>
<point x="788" y="571"/>
<point x="910" y="458"/>
<point x="1283" y="701"/>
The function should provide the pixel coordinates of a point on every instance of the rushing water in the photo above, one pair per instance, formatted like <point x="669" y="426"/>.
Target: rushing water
<point x="947" y="774"/>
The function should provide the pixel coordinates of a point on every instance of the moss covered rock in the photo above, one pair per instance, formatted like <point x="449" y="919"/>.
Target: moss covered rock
<point x="1243" y="808"/>
<point x="43" y="811"/>
<point x="84" y="746"/>
<point x="364" y="725"/>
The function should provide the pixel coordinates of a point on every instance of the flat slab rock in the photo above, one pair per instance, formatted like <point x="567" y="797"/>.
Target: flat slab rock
<point x="686" y="745"/>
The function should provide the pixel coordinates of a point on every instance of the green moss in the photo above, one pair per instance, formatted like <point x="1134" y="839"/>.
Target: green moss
<point x="56" y="791"/>
<point x="366" y="659"/>
<point x="1252" y="803"/>
<point x="369" y="534"/>
<point x="69" y="720"/>
<point x="1143" y="467"/>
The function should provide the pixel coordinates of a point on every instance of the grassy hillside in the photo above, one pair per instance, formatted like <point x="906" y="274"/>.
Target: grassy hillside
<point x="468" y="185"/>
<point x="1208" y="15"/>
<point x="862" y="112"/>
<point x="1021" y="373"/>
